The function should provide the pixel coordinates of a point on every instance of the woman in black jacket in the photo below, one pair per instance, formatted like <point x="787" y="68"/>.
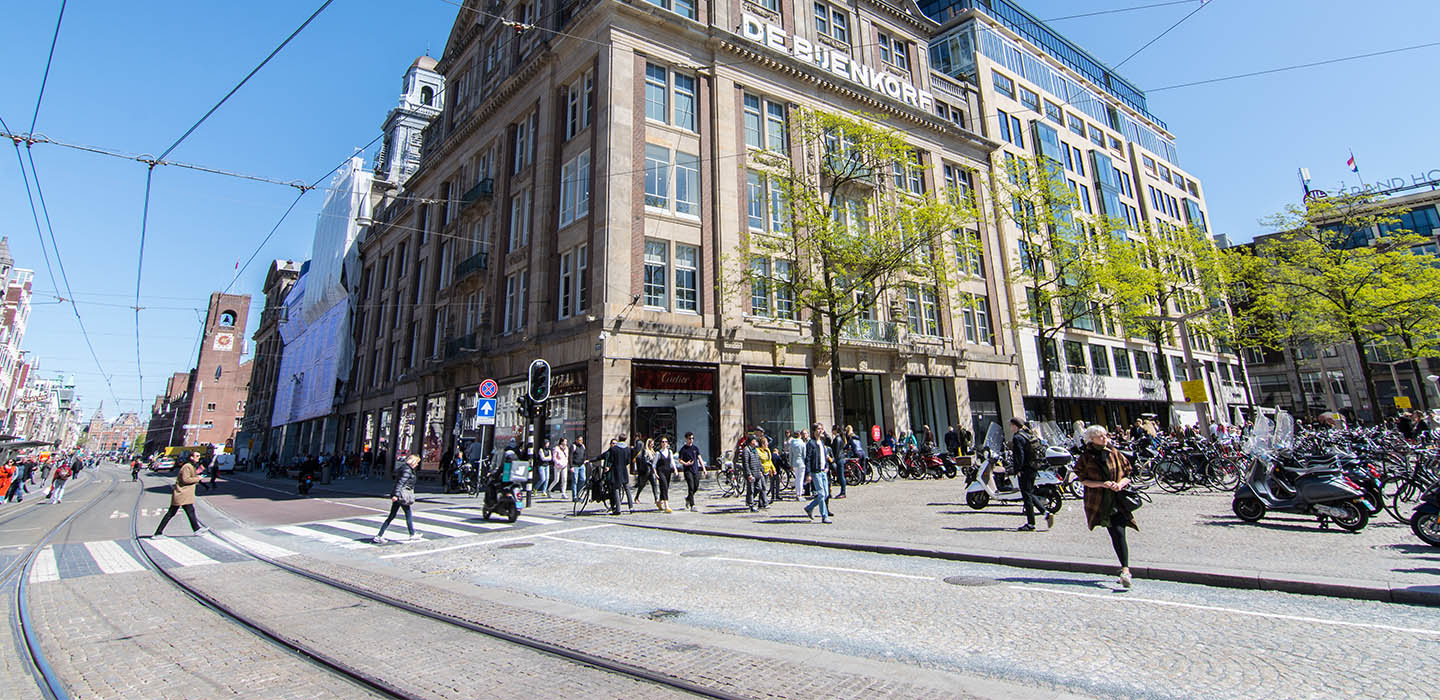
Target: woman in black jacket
<point x="403" y="496"/>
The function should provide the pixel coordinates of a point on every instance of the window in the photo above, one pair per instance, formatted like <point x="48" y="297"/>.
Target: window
<point x="687" y="278"/>
<point x="784" y="295"/>
<point x="1142" y="365"/>
<point x="1049" y="359"/>
<point x="1122" y="361"/>
<point x="579" y="104"/>
<point x="893" y="51"/>
<point x="210" y="406"/>
<point x="1100" y="360"/>
<point x="759" y="286"/>
<point x="1179" y="365"/>
<point x="910" y="174"/>
<point x="765" y="208"/>
<point x="567" y="284"/>
<point x="832" y="22"/>
<point x="520" y="220"/>
<point x="582" y="278"/>
<point x="514" y="302"/>
<point x="975" y="315"/>
<point x="657" y="254"/>
<point x="1149" y="163"/>
<point x="685" y="194"/>
<point x="1077" y="125"/>
<point x="923" y="310"/>
<point x="1003" y="84"/>
<point x="524" y="143"/>
<point x="1097" y="136"/>
<point x="1011" y="130"/>
<point x="957" y="183"/>
<point x="575" y="189"/>
<point x="1075" y="357"/>
<point x="657" y="176"/>
<point x="1053" y="113"/>
<point x="207" y="425"/>
<point x="666" y="88"/>
<point x="684" y="8"/>
<point x="1030" y="99"/>
<point x="765" y="125"/>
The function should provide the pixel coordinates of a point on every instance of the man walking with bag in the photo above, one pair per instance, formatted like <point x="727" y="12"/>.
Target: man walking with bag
<point x="182" y="495"/>
<point x="1028" y="455"/>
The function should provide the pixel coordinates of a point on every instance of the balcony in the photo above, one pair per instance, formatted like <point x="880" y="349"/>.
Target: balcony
<point x="484" y="189"/>
<point x="455" y="346"/>
<point x="865" y="330"/>
<point x="476" y="262"/>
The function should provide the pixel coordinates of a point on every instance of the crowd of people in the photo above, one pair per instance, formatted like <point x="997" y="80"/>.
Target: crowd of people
<point x="47" y="474"/>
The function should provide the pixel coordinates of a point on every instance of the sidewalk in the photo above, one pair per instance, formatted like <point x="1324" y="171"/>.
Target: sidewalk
<point x="1190" y="538"/>
<point x="349" y="486"/>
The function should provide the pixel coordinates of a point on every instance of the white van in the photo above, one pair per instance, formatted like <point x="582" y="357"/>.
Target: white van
<point x="225" y="462"/>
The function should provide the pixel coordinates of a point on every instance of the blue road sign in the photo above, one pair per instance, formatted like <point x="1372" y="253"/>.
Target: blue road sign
<point x="485" y="410"/>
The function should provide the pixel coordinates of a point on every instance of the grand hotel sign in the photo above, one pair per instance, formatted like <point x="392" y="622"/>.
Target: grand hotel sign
<point x="837" y="63"/>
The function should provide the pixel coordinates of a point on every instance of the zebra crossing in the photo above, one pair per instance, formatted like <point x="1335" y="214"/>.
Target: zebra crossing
<point x="439" y="524"/>
<point x="71" y="560"/>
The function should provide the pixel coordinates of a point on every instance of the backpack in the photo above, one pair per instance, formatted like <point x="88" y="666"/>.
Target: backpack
<point x="1034" y="451"/>
<point x="62" y="472"/>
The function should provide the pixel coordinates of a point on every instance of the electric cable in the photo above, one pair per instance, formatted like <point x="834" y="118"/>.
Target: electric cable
<point x="1203" y="5"/>
<point x="44" y="79"/>
<point x="1119" y="10"/>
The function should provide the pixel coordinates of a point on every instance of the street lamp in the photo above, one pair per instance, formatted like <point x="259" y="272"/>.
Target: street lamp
<point x="1182" y="324"/>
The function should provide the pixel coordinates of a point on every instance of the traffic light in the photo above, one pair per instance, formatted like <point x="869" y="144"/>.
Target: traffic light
<point x="539" y="381"/>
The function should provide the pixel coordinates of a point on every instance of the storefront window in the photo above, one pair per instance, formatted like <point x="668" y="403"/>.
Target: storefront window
<point x="367" y="438"/>
<point x="670" y="402"/>
<point x="565" y="411"/>
<point x="382" y="438"/>
<point x="405" y="436"/>
<point x="932" y="403"/>
<point x="508" y="417"/>
<point x="432" y="447"/>
<point x="777" y="402"/>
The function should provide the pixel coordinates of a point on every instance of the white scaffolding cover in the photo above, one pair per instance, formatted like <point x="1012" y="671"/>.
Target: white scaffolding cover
<point x="336" y="231"/>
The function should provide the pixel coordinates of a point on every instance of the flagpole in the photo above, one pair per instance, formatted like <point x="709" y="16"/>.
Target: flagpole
<point x="1356" y="170"/>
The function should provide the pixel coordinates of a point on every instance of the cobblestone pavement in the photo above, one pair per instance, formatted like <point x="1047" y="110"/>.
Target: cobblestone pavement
<point x="1195" y="530"/>
<point x="746" y="665"/>
<point x="420" y="656"/>
<point x="1076" y="632"/>
<point x="15" y="670"/>
<point x="134" y="636"/>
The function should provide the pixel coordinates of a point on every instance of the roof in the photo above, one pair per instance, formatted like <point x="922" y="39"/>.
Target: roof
<point x="425" y="63"/>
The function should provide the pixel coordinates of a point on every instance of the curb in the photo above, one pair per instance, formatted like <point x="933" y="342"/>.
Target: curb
<point x="1234" y="578"/>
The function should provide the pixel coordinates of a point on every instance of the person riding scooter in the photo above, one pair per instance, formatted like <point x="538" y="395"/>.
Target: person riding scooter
<point x="505" y="485"/>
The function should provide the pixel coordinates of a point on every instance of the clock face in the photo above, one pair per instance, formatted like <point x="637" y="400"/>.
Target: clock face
<point x="224" y="342"/>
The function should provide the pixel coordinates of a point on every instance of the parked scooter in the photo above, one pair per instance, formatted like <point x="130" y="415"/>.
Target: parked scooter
<point x="993" y="483"/>
<point x="505" y="488"/>
<point x="1425" y="521"/>
<point x="1321" y="491"/>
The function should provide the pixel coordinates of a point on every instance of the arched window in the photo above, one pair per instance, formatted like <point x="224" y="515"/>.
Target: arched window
<point x="427" y="95"/>
<point x="227" y="319"/>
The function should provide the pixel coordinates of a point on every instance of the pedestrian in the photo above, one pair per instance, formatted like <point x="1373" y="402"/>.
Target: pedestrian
<point x="754" y="469"/>
<point x="182" y="495"/>
<point x="25" y="471"/>
<point x="952" y="442"/>
<point x="966" y="439"/>
<point x="795" y="450"/>
<point x="645" y="469"/>
<point x="839" y="447"/>
<point x="1027" y="456"/>
<point x="1105" y="473"/>
<point x="578" y="474"/>
<point x="617" y="465"/>
<point x="665" y="468"/>
<point x="560" y="464"/>
<point x="768" y="458"/>
<point x="816" y="476"/>
<point x="8" y="480"/>
<point x="57" y="483"/>
<point x="545" y="460"/>
<point x="693" y="466"/>
<point x="214" y="469"/>
<point x="401" y="497"/>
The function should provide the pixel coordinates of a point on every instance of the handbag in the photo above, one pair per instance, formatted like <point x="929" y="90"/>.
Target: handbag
<point x="407" y="495"/>
<point x="1129" y="499"/>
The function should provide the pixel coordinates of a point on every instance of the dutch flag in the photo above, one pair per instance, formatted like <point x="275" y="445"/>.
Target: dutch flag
<point x="1351" y="163"/>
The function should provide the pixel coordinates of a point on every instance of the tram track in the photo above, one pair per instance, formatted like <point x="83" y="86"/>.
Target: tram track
<point x="400" y="614"/>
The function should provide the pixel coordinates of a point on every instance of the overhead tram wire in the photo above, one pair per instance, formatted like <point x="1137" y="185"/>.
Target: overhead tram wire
<point x="49" y="59"/>
<point x="150" y="174"/>
<point x="1118" y="10"/>
<point x="313" y="185"/>
<point x="1203" y="5"/>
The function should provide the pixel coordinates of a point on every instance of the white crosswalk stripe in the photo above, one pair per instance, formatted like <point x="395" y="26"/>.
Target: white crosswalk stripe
<point x="322" y="536"/>
<point x="537" y="520"/>
<point x="44" y="568"/>
<point x="421" y="527"/>
<point x="356" y="528"/>
<point x="181" y="553"/>
<point x="112" y="558"/>
<point x="436" y="515"/>
<point x="264" y="549"/>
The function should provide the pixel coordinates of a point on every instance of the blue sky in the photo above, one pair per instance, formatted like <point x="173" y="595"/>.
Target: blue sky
<point x="133" y="76"/>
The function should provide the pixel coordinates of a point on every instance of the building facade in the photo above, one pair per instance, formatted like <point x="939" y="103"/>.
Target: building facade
<point x="14" y="319"/>
<point x="205" y="405"/>
<point x="1307" y="378"/>
<point x="1042" y="95"/>
<point x="255" y="436"/>
<point x="580" y="198"/>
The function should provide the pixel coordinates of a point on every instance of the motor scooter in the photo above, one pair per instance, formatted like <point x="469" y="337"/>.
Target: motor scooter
<point x="1322" y="491"/>
<point x="993" y="483"/>
<point x="1425" y="521"/>
<point x="505" y="489"/>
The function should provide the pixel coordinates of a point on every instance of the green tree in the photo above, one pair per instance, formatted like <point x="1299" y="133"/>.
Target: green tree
<point x="1074" y="269"/>
<point x="841" y="222"/>
<point x="1338" y="284"/>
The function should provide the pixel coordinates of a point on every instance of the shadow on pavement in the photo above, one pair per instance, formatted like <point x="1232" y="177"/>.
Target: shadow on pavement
<point x="1103" y="584"/>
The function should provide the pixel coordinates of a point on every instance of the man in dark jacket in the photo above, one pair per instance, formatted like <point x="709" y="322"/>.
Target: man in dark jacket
<point x="952" y="442"/>
<point x="839" y="447"/>
<point x="1025" y="468"/>
<point x="754" y="475"/>
<point x="815" y="472"/>
<point x="617" y="470"/>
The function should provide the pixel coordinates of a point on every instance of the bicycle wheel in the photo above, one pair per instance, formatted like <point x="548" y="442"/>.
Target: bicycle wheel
<point x="1172" y="477"/>
<point x="1225" y="473"/>
<point x="1404" y="498"/>
<point x="853" y="474"/>
<point x="888" y="468"/>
